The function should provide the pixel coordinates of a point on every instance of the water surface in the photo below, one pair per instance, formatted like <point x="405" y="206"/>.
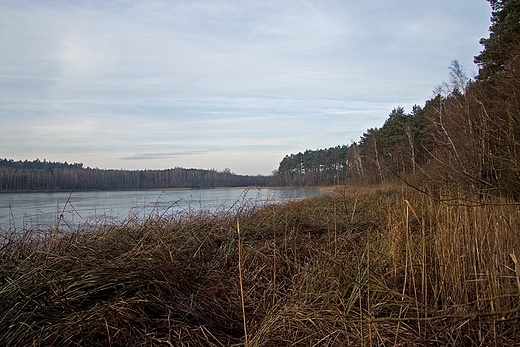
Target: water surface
<point x="23" y="211"/>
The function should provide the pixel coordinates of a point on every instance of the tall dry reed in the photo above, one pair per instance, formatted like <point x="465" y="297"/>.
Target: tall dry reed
<point x="373" y="266"/>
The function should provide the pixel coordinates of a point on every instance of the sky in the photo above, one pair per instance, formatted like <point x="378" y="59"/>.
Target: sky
<point x="137" y="84"/>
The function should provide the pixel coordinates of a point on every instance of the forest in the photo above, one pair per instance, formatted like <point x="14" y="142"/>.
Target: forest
<point x="39" y="175"/>
<point x="467" y="136"/>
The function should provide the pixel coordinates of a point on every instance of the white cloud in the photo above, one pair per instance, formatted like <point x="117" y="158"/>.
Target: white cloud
<point x="217" y="84"/>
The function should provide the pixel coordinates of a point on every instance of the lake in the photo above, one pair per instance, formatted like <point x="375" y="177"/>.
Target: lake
<point x="25" y="211"/>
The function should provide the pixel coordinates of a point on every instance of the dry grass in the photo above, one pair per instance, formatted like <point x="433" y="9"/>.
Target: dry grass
<point x="363" y="267"/>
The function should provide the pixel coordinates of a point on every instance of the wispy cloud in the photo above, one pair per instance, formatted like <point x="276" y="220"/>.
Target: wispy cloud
<point x="144" y="84"/>
<point x="162" y="155"/>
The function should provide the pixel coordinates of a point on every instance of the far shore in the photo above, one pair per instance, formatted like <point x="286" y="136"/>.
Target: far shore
<point x="321" y="188"/>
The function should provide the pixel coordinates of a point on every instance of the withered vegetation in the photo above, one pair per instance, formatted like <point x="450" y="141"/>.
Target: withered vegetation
<point x="373" y="266"/>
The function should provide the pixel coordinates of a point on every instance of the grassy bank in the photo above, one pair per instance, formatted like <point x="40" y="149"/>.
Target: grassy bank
<point x="381" y="266"/>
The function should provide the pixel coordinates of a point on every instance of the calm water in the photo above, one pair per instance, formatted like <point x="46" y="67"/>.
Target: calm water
<point x="23" y="211"/>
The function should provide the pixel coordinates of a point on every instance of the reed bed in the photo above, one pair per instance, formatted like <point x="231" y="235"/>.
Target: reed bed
<point x="377" y="266"/>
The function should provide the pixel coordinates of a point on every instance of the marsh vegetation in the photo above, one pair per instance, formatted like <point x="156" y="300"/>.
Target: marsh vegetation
<point x="373" y="266"/>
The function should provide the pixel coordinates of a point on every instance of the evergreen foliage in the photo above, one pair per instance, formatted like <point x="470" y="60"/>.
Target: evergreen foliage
<point x="502" y="46"/>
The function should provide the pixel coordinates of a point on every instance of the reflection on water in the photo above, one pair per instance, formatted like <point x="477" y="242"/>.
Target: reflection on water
<point x="24" y="211"/>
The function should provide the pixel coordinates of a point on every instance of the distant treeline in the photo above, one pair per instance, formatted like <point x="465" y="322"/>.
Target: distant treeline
<point x="466" y="137"/>
<point x="39" y="175"/>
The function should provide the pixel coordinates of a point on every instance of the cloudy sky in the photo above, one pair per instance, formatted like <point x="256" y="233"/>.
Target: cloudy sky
<point x="217" y="84"/>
